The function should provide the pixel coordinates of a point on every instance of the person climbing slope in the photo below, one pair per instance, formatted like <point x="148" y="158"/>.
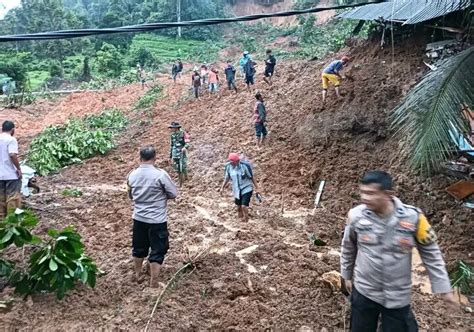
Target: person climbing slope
<point x="270" y="64"/>
<point x="229" y="72"/>
<point x="141" y="75"/>
<point x="331" y="74"/>
<point x="260" y="118"/>
<point x="196" y="82"/>
<point x="376" y="258"/>
<point x="243" y="61"/>
<point x="179" y="143"/>
<point x="180" y="67"/>
<point x="175" y="70"/>
<point x="243" y="184"/>
<point x="249" y="69"/>
<point x="204" y="76"/>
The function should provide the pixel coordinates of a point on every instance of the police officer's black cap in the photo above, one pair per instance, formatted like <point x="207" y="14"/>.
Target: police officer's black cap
<point x="174" y="125"/>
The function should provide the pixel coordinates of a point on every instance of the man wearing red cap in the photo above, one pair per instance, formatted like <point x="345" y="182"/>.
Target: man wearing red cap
<point x="243" y="183"/>
<point x="331" y="74"/>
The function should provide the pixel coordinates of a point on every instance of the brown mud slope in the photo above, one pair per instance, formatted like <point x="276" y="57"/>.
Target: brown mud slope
<point x="32" y="119"/>
<point x="250" y="7"/>
<point x="263" y="274"/>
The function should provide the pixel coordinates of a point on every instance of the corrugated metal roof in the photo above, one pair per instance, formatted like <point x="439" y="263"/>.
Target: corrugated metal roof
<point x="437" y="8"/>
<point x="409" y="11"/>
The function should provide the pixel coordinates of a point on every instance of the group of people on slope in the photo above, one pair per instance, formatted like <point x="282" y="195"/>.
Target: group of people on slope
<point x="376" y="247"/>
<point x="208" y="78"/>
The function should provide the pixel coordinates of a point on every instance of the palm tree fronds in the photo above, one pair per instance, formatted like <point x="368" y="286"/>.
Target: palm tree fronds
<point x="429" y="119"/>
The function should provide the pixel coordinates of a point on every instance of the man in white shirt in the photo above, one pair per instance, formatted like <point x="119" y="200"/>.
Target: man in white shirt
<point x="10" y="171"/>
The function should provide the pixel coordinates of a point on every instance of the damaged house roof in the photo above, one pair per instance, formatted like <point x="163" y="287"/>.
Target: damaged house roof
<point x="406" y="11"/>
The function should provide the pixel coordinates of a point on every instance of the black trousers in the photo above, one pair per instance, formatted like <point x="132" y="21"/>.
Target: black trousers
<point x="365" y="315"/>
<point x="150" y="236"/>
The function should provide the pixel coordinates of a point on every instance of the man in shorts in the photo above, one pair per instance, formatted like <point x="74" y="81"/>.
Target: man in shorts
<point x="270" y="64"/>
<point x="243" y="184"/>
<point x="10" y="171"/>
<point x="331" y="74"/>
<point x="150" y="188"/>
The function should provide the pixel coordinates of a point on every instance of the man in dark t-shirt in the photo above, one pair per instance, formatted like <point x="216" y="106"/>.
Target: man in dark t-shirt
<point x="270" y="64"/>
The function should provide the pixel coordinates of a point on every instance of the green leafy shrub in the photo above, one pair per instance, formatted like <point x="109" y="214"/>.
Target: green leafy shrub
<point x="463" y="277"/>
<point x="141" y="55"/>
<point x="109" y="60"/>
<point x="150" y="98"/>
<point x="16" y="70"/>
<point x="110" y="119"/>
<point x="248" y="43"/>
<point x="15" y="229"/>
<point x="59" y="146"/>
<point x="57" y="266"/>
<point x="72" y="192"/>
<point x="55" y="69"/>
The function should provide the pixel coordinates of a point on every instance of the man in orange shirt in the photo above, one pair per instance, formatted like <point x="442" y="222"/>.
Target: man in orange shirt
<point x="213" y="80"/>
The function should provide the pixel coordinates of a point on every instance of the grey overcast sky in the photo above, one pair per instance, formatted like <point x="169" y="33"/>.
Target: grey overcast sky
<point x="6" y="5"/>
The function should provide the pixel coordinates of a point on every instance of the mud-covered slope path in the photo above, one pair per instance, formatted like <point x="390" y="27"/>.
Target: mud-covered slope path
<point x="258" y="275"/>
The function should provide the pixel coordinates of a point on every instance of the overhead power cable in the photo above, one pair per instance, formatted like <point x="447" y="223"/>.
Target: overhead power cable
<point x="63" y="34"/>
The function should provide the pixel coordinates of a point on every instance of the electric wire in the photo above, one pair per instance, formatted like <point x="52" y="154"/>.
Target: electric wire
<point x="76" y="33"/>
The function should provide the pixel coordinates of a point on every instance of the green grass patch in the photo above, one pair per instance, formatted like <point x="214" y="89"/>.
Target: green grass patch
<point x="76" y="140"/>
<point x="38" y="78"/>
<point x="166" y="49"/>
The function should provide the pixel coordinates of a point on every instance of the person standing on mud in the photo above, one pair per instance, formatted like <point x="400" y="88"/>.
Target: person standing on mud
<point x="260" y="118"/>
<point x="175" y="70"/>
<point x="270" y="64"/>
<point x="10" y="171"/>
<point x="249" y="70"/>
<point x="150" y="189"/>
<point x="243" y="61"/>
<point x="331" y="74"/>
<point x="243" y="184"/>
<point x="179" y="143"/>
<point x="213" y="80"/>
<point x="196" y="82"/>
<point x="376" y="257"/>
<point x="229" y="72"/>
<point x="141" y="75"/>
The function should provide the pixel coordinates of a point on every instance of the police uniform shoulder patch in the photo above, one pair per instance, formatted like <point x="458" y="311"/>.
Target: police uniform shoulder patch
<point x="425" y="234"/>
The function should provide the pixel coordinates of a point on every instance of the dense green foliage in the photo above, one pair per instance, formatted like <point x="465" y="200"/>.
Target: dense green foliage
<point x="15" y="229"/>
<point x="317" y="41"/>
<point x="56" y="265"/>
<point x="108" y="56"/>
<point x="76" y="140"/>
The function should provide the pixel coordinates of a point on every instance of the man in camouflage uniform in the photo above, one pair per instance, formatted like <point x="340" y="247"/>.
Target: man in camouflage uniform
<point x="376" y="258"/>
<point x="178" y="147"/>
